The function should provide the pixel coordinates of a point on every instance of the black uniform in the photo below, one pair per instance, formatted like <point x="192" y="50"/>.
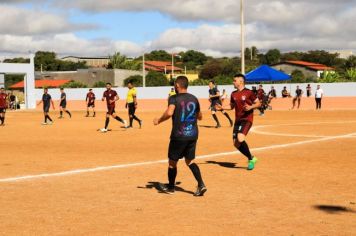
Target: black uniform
<point x="63" y="103"/>
<point x="184" y="133"/>
<point x="298" y="93"/>
<point x="216" y="100"/>
<point x="46" y="99"/>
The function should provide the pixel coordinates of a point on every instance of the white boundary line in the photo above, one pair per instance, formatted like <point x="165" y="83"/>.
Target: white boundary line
<point x="121" y="166"/>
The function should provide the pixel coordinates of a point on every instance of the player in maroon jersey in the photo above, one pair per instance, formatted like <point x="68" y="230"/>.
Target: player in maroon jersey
<point x="244" y="101"/>
<point x="111" y="97"/>
<point x="3" y="106"/>
<point x="90" y="100"/>
<point x="261" y="96"/>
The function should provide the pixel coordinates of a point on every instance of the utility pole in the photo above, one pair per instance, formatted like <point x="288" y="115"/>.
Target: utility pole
<point x="242" y="37"/>
<point x="143" y="71"/>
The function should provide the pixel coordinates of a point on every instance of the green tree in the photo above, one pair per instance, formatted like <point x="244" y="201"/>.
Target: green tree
<point x="211" y="69"/>
<point x="330" y="77"/>
<point x="17" y="60"/>
<point x="47" y="61"/>
<point x="350" y="74"/>
<point x="322" y="57"/>
<point x="11" y="79"/>
<point x="272" y="56"/>
<point x="99" y="84"/>
<point x="158" y="55"/>
<point x="192" y="59"/>
<point x="118" y="61"/>
<point x="74" y="84"/>
<point x="156" y="79"/>
<point x="248" y="54"/>
<point x="135" y="79"/>
<point x="350" y="62"/>
<point x="298" y="76"/>
<point x="254" y="52"/>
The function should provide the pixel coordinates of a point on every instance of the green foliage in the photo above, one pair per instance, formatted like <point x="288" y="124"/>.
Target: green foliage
<point x="350" y="62"/>
<point x="158" y="55"/>
<point x="135" y="79"/>
<point x="199" y="82"/>
<point x="272" y="56"/>
<point x="118" y="61"/>
<point x="330" y="77"/>
<point x="74" y="84"/>
<point x="350" y="74"/>
<point x="321" y="57"/>
<point x="223" y="80"/>
<point x="217" y="67"/>
<point x="17" y="60"/>
<point x="298" y="77"/>
<point x="12" y="79"/>
<point x="155" y="79"/>
<point x="192" y="59"/>
<point x="99" y="84"/>
<point x="50" y="63"/>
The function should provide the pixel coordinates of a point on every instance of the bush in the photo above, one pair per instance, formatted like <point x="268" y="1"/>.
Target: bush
<point x="298" y="77"/>
<point x="99" y="84"/>
<point x="223" y="80"/>
<point x="74" y="84"/>
<point x="199" y="82"/>
<point x="135" y="79"/>
<point x="156" y="79"/>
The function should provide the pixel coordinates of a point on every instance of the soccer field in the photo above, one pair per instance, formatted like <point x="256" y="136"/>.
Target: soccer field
<point x="70" y="179"/>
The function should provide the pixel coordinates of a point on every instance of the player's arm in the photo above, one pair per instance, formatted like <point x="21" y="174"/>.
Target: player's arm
<point x="53" y="104"/>
<point x="200" y="115"/>
<point x="229" y="107"/>
<point x="135" y="99"/>
<point x="166" y="115"/>
<point x="256" y="104"/>
<point x="63" y="98"/>
<point x="217" y="95"/>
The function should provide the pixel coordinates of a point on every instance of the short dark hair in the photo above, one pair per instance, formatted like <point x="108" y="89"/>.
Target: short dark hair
<point x="212" y="81"/>
<point x="90" y="89"/>
<point x="1" y="88"/>
<point x="130" y="82"/>
<point x="61" y="88"/>
<point x="240" y="76"/>
<point x="108" y="83"/>
<point x="182" y="81"/>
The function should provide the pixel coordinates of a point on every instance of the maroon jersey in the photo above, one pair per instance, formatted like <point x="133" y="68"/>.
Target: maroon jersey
<point x="3" y="97"/>
<point x="260" y="94"/>
<point x="110" y="95"/>
<point x="90" y="97"/>
<point x="238" y="100"/>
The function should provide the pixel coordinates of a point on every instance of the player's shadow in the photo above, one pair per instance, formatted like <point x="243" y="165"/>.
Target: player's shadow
<point x="332" y="209"/>
<point x="156" y="185"/>
<point x="224" y="164"/>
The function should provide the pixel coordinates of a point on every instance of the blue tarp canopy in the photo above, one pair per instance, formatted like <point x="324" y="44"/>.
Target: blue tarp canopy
<point x="265" y="73"/>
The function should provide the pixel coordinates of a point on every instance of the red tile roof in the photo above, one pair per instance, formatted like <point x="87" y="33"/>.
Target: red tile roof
<point x="310" y="65"/>
<point x="160" y="66"/>
<point x="43" y="83"/>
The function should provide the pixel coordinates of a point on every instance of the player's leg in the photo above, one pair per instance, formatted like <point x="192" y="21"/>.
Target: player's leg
<point x="116" y="117"/>
<point x="189" y="154"/>
<point x="239" y="137"/>
<point x="213" y="113"/>
<point x="133" y="113"/>
<point x="2" y="116"/>
<point x="228" y="117"/>
<point x="299" y="100"/>
<point x="48" y="117"/>
<point x="87" y="115"/>
<point x="68" y="112"/>
<point x="93" y="107"/>
<point x="294" y="100"/>
<point x="60" y="112"/>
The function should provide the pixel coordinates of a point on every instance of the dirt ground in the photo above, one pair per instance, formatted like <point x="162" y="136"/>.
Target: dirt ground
<point x="303" y="184"/>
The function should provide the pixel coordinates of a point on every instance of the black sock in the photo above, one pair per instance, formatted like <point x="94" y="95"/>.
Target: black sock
<point x="172" y="174"/>
<point x="227" y="116"/>
<point x="244" y="149"/>
<point x="216" y="119"/>
<point x="87" y="113"/>
<point x="70" y="115"/>
<point x="45" y="119"/>
<point x="196" y="172"/>
<point x="61" y="113"/>
<point x="131" y="120"/>
<point x="49" y="118"/>
<point x="136" y="119"/>
<point x="107" y="122"/>
<point x="2" y="120"/>
<point x="119" y="119"/>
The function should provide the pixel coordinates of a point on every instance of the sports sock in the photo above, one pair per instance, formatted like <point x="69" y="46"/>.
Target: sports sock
<point x="45" y="119"/>
<point x="49" y="118"/>
<point x="119" y="119"/>
<point x="244" y="149"/>
<point x="70" y="115"/>
<point x="2" y="119"/>
<point x="227" y="116"/>
<point x="87" y="113"/>
<point x="94" y="113"/>
<point x="196" y="172"/>
<point x="136" y="119"/>
<point x="216" y="119"/>
<point x="131" y="120"/>
<point x="107" y="122"/>
<point x="172" y="174"/>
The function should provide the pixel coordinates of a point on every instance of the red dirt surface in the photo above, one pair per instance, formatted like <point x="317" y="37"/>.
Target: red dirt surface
<point x="305" y="188"/>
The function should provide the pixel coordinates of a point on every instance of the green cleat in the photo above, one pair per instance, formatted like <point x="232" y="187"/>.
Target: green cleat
<point x="251" y="164"/>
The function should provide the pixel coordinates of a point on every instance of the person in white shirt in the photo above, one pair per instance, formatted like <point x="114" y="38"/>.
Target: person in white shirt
<point x="318" y="96"/>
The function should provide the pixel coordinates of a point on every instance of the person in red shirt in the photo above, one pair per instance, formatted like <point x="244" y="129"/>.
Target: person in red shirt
<point x="261" y="96"/>
<point x="244" y="101"/>
<point x="3" y="106"/>
<point x="90" y="100"/>
<point x="111" y="97"/>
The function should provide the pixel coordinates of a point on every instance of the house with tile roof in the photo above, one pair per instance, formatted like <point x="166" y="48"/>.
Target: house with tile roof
<point x="309" y="69"/>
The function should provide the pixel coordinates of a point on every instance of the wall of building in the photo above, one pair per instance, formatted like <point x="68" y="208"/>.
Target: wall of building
<point x="330" y="90"/>
<point x="91" y="76"/>
<point x="288" y="69"/>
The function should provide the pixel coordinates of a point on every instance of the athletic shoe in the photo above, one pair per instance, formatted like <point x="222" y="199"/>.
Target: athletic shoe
<point x="43" y="123"/>
<point x="218" y="126"/>
<point x="252" y="163"/>
<point x="200" y="191"/>
<point x="103" y="130"/>
<point x="60" y="117"/>
<point x="87" y="115"/>
<point x="164" y="188"/>
<point x="125" y="124"/>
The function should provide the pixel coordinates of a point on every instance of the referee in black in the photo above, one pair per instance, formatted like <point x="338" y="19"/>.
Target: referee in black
<point x="63" y="105"/>
<point x="184" y="109"/>
<point x="47" y="101"/>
